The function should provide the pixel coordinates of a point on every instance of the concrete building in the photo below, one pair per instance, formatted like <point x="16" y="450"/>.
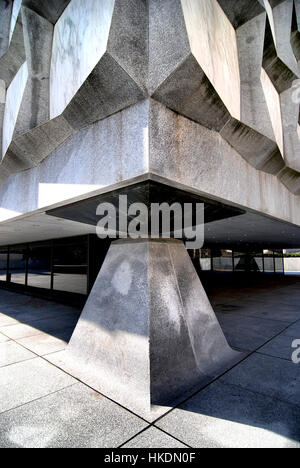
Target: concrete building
<point x="162" y="101"/>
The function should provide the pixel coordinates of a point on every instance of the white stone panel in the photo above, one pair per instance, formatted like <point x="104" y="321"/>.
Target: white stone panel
<point x="14" y="17"/>
<point x="214" y="45"/>
<point x="80" y="40"/>
<point x="14" y="97"/>
<point x="273" y="103"/>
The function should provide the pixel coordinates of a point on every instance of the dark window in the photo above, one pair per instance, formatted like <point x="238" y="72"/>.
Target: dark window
<point x="39" y="266"/>
<point x="17" y="264"/>
<point x="70" y="266"/>
<point x="3" y="264"/>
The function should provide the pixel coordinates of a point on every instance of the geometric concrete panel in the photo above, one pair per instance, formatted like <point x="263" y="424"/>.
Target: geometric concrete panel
<point x="80" y="39"/>
<point x="261" y="152"/>
<point x="49" y="9"/>
<point x="16" y="9"/>
<point x="280" y="15"/>
<point x="13" y="102"/>
<point x="254" y="109"/>
<point x="168" y="40"/>
<point x="188" y="91"/>
<point x="279" y="60"/>
<point x="239" y="13"/>
<point x="38" y="37"/>
<point x="29" y="149"/>
<point x="208" y="27"/>
<point x="274" y="108"/>
<point x="290" y="118"/>
<point x="295" y="36"/>
<point x="128" y="39"/>
<point x="291" y="180"/>
<point x="107" y="89"/>
<point x="13" y="54"/>
<point x="201" y="59"/>
<point x="147" y="335"/>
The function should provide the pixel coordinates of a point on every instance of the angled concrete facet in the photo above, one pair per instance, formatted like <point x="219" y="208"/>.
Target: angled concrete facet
<point x="5" y="16"/>
<point x="148" y="334"/>
<point x="49" y="9"/>
<point x="108" y="55"/>
<point x="38" y="37"/>
<point x="13" y="55"/>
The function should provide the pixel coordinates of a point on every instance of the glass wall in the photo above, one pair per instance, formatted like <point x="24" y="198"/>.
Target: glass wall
<point x="39" y="266"/>
<point x="269" y="261"/>
<point x="60" y="265"/>
<point x="3" y="264"/>
<point x="279" y="262"/>
<point x="70" y="265"/>
<point x="17" y="265"/>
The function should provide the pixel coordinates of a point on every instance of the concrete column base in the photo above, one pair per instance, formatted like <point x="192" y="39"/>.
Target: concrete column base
<point x="148" y="335"/>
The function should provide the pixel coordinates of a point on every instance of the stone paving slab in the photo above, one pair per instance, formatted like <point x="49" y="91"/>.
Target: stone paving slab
<point x="227" y="416"/>
<point x="3" y="338"/>
<point x="21" y="330"/>
<point x="6" y="320"/>
<point x="283" y="313"/>
<point x="293" y="331"/>
<point x="25" y="381"/>
<point x="30" y="315"/>
<point x="11" y="353"/>
<point x="249" y="333"/>
<point x="255" y="404"/>
<point x="43" y="344"/>
<point x="267" y="375"/>
<point x="73" y="417"/>
<point x="153" y="438"/>
<point x="280" y="347"/>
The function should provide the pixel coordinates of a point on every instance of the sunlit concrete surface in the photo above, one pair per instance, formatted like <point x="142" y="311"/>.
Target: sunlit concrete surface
<point x="254" y="404"/>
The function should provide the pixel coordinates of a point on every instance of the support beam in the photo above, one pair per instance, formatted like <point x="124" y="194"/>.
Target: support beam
<point x="148" y="335"/>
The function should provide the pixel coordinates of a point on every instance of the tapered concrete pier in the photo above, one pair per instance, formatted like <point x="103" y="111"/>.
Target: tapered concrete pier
<point x="148" y="334"/>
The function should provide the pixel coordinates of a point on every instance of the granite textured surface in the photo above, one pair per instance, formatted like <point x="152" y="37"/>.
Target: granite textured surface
<point x="80" y="39"/>
<point x="13" y="102"/>
<point x="228" y="66"/>
<point x="148" y="307"/>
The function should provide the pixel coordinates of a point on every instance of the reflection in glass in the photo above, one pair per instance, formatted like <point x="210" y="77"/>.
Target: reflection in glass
<point x="222" y="260"/>
<point x="247" y="261"/>
<point x="269" y="261"/>
<point x="39" y="266"/>
<point x="205" y="259"/>
<point x="17" y="264"/>
<point x="3" y="264"/>
<point x="70" y="266"/>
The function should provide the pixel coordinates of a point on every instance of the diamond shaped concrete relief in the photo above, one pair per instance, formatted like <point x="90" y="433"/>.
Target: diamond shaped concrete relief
<point x="228" y="66"/>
